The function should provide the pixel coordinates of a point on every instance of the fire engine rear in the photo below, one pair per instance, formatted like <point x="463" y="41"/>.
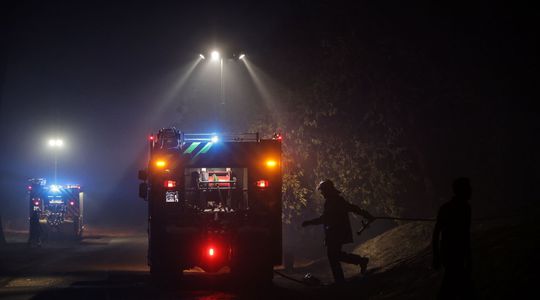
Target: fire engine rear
<point x="213" y="202"/>
<point x="59" y="207"/>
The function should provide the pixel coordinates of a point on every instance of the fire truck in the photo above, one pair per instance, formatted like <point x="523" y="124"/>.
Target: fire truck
<point x="214" y="202"/>
<point x="59" y="207"/>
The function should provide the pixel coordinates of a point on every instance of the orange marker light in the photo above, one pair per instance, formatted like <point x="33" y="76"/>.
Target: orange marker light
<point x="160" y="163"/>
<point x="271" y="163"/>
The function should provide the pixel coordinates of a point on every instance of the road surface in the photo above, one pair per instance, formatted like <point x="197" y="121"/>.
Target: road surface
<point x="113" y="266"/>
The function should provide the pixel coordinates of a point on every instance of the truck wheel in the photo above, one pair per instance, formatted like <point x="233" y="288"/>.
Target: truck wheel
<point x="255" y="269"/>
<point x="256" y="275"/>
<point x="165" y="275"/>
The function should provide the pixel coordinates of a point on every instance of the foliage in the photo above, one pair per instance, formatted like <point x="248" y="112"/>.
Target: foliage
<point x="334" y="129"/>
<point x="368" y="169"/>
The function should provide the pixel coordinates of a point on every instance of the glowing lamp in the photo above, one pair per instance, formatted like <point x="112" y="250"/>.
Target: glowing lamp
<point x="242" y="56"/>
<point x="56" y="143"/>
<point x="271" y="163"/>
<point x="211" y="252"/>
<point x="160" y="163"/>
<point x="169" y="183"/>
<point x="215" y="55"/>
<point x="262" y="183"/>
<point x="71" y="203"/>
<point x="55" y="188"/>
<point x="215" y="139"/>
<point x="202" y="56"/>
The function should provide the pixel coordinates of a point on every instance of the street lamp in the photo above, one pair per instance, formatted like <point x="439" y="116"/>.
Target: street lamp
<point x="56" y="144"/>
<point x="215" y="55"/>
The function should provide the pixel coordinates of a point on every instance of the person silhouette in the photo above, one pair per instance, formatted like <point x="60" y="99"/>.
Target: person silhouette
<point x="337" y="229"/>
<point x="451" y="243"/>
<point x="34" y="238"/>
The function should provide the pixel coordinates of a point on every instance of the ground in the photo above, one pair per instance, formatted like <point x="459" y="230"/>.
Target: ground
<point x="112" y="265"/>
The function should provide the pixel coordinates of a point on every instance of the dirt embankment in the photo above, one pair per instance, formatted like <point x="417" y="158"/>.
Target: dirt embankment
<point x="504" y="255"/>
<point x="504" y="260"/>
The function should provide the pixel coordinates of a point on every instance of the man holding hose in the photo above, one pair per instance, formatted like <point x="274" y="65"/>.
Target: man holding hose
<point x="337" y="229"/>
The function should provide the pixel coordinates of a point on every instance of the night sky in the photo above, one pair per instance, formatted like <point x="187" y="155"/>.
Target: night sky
<point x="101" y="75"/>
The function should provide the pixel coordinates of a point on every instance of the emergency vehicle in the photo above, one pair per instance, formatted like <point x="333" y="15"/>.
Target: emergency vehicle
<point x="59" y="207"/>
<point x="214" y="201"/>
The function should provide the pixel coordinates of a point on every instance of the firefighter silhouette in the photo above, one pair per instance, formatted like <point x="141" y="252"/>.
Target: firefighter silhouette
<point x="34" y="238"/>
<point x="452" y="243"/>
<point x="337" y="229"/>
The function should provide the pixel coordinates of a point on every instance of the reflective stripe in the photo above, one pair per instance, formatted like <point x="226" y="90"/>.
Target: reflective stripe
<point x="205" y="148"/>
<point x="192" y="147"/>
<point x="74" y="211"/>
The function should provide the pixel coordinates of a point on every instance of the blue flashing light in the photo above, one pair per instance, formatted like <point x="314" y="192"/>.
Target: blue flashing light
<point x="215" y="139"/>
<point x="54" y="188"/>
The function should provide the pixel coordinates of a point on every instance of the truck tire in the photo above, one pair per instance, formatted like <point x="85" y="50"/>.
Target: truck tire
<point x="252" y="263"/>
<point x="165" y="275"/>
<point x="255" y="275"/>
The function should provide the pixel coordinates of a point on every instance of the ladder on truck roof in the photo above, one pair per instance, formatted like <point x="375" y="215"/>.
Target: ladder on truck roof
<point x="214" y="137"/>
<point x="173" y="133"/>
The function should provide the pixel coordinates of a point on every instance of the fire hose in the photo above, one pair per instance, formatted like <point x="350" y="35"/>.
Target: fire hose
<point x="313" y="282"/>
<point x="365" y="224"/>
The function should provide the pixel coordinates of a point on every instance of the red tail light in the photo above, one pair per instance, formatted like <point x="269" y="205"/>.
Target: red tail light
<point x="71" y="203"/>
<point x="262" y="183"/>
<point x="211" y="251"/>
<point x="169" y="183"/>
<point x="36" y="203"/>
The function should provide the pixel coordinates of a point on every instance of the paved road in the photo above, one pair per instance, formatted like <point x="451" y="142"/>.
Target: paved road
<point x="113" y="266"/>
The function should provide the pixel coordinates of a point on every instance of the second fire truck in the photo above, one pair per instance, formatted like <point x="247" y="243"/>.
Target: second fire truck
<point x="58" y="207"/>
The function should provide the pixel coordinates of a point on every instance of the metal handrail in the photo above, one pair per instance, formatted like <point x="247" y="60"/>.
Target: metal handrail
<point x="217" y="181"/>
<point x="224" y="137"/>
